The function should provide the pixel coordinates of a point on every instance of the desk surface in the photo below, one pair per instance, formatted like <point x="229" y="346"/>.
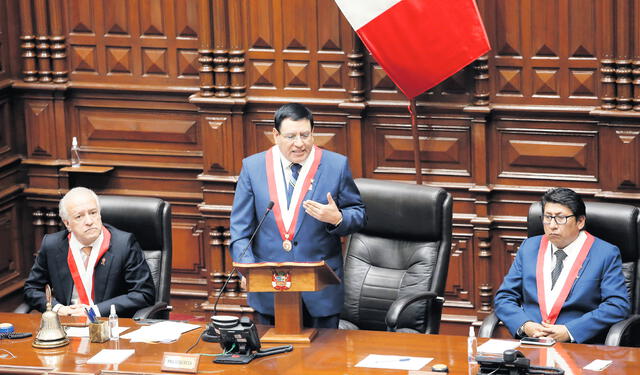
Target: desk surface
<point x="332" y="352"/>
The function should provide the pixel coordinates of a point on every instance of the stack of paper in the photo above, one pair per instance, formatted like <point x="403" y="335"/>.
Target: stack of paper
<point x="163" y="332"/>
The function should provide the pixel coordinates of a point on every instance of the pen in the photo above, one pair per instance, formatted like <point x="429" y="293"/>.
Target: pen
<point x="90" y="314"/>
<point x="394" y="360"/>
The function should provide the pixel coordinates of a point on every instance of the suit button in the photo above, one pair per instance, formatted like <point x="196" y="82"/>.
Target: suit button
<point x="295" y="243"/>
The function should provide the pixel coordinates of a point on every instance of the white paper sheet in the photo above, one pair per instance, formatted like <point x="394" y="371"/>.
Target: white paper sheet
<point x="598" y="365"/>
<point x="111" y="356"/>
<point x="394" y="362"/>
<point x="163" y="332"/>
<point x="497" y="346"/>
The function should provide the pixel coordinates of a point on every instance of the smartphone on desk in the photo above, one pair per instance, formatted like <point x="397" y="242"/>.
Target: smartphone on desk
<point x="544" y="341"/>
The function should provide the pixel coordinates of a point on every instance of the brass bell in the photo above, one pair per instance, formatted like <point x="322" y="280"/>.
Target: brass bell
<point x="51" y="334"/>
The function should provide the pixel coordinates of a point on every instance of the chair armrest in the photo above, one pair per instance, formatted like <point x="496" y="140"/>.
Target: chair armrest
<point x="489" y="324"/>
<point x="400" y="304"/>
<point x="24" y="308"/>
<point x="158" y="311"/>
<point x="624" y="333"/>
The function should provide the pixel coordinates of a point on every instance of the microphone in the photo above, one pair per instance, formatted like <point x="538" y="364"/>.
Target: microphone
<point x="212" y="336"/>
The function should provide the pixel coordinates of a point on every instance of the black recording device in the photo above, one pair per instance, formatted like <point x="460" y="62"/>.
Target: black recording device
<point x="512" y="362"/>
<point x="211" y="335"/>
<point x="240" y="342"/>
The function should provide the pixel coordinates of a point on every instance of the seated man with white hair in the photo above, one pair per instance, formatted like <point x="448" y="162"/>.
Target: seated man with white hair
<point x="89" y="264"/>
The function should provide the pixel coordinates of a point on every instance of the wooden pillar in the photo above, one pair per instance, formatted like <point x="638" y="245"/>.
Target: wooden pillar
<point x="607" y="62"/>
<point x="237" y="50"/>
<point x="58" y="49"/>
<point x="481" y="66"/>
<point x="205" y="52"/>
<point x="42" y="41"/>
<point x="220" y="49"/>
<point x="623" y="62"/>
<point x="28" y="47"/>
<point x="635" y="64"/>
<point x="356" y="70"/>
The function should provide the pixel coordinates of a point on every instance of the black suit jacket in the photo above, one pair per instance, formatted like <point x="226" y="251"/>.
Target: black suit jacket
<point x="121" y="277"/>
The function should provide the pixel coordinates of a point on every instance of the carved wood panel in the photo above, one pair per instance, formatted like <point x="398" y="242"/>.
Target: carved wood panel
<point x="133" y="42"/>
<point x="459" y="289"/>
<point x="560" y="152"/>
<point x="188" y="242"/>
<point x="545" y="52"/>
<point x="288" y="58"/>
<point x="445" y="148"/>
<point x="138" y="133"/>
<point x="6" y="138"/>
<point x="12" y="261"/>
<point x="621" y="161"/>
<point x="40" y="122"/>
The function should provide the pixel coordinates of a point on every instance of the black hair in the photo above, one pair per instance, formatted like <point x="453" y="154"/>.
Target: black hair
<point x="567" y="198"/>
<point x="292" y="111"/>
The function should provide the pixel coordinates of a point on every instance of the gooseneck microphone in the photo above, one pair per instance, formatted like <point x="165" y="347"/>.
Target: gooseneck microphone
<point x="208" y="336"/>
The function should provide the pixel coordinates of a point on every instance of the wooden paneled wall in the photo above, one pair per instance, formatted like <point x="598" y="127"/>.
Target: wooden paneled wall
<point x="173" y="94"/>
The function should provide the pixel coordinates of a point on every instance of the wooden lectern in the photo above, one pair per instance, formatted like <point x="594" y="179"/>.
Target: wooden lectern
<point x="287" y="280"/>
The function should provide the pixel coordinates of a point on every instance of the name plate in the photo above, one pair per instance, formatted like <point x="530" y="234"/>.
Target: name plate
<point x="180" y="362"/>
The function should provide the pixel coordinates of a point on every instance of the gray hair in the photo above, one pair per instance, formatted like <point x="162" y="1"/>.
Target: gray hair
<point x="62" y="209"/>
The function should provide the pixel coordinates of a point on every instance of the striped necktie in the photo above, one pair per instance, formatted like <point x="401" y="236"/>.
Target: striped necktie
<point x="295" y="172"/>
<point x="557" y="270"/>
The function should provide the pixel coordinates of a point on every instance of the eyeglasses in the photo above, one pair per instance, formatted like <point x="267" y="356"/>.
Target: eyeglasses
<point x="559" y="219"/>
<point x="292" y="137"/>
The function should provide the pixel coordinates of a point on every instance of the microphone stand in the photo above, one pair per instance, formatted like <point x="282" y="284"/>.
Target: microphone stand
<point x="213" y="336"/>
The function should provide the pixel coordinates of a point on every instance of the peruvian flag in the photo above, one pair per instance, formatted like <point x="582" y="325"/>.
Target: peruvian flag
<point x="419" y="43"/>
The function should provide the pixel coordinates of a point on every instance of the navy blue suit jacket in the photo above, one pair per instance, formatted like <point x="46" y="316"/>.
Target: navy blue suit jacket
<point x="121" y="277"/>
<point x="313" y="241"/>
<point x="597" y="300"/>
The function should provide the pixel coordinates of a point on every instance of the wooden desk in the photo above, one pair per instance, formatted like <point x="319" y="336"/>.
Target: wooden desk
<point x="332" y="352"/>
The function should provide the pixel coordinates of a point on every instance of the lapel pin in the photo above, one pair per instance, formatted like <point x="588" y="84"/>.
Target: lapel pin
<point x="103" y="261"/>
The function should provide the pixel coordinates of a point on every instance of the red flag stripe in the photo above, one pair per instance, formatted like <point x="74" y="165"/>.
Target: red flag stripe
<point x="420" y="43"/>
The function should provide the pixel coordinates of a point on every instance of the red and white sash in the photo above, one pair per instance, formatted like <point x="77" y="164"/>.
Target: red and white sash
<point x="571" y="278"/>
<point x="83" y="278"/>
<point x="287" y="216"/>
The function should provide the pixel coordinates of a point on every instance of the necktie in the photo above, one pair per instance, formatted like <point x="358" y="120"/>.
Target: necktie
<point x="86" y="251"/>
<point x="557" y="270"/>
<point x="295" y="171"/>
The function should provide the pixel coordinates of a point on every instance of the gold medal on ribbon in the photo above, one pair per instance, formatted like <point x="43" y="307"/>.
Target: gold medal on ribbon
<point x="286" y="245"/>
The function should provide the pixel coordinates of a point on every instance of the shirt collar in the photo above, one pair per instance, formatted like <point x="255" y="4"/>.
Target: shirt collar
<point x="286" y="163"/>
<point x="573" y="246"/>
<point x="76" y="245"/>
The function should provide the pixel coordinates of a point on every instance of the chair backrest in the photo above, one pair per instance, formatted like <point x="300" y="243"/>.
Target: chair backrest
<point x="149" y="219"/>
<point x="618" y="224"/>
<point x="403" y="249"/>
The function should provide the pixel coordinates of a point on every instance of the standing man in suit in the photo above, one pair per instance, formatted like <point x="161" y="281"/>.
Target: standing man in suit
<point x="89" y="264"/>
<point x="316" y="202"/>
<point x="565" y="284"/>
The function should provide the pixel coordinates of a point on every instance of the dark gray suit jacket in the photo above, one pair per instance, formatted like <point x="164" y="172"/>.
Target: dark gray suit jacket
<point x="121" y="277"/>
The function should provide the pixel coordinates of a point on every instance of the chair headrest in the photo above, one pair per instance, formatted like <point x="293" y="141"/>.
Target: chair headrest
<point x="613" y="222"/>
<point x="142" y="216"/>
<point x="396" y="209"/>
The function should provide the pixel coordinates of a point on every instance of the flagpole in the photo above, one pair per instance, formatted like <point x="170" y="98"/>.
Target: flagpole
<point x="416" y="141"/>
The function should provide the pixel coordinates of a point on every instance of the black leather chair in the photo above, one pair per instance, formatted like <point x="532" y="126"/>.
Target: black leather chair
<point x="615" y="223"/>
<point x="396" y="267"/>
<point x="149" y="219"/>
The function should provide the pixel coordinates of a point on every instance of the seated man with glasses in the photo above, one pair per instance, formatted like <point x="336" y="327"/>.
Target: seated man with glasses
<point x="565" y="284"/>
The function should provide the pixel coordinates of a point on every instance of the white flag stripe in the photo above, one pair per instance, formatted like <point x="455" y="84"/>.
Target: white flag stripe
<point x="361" y="12"/>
